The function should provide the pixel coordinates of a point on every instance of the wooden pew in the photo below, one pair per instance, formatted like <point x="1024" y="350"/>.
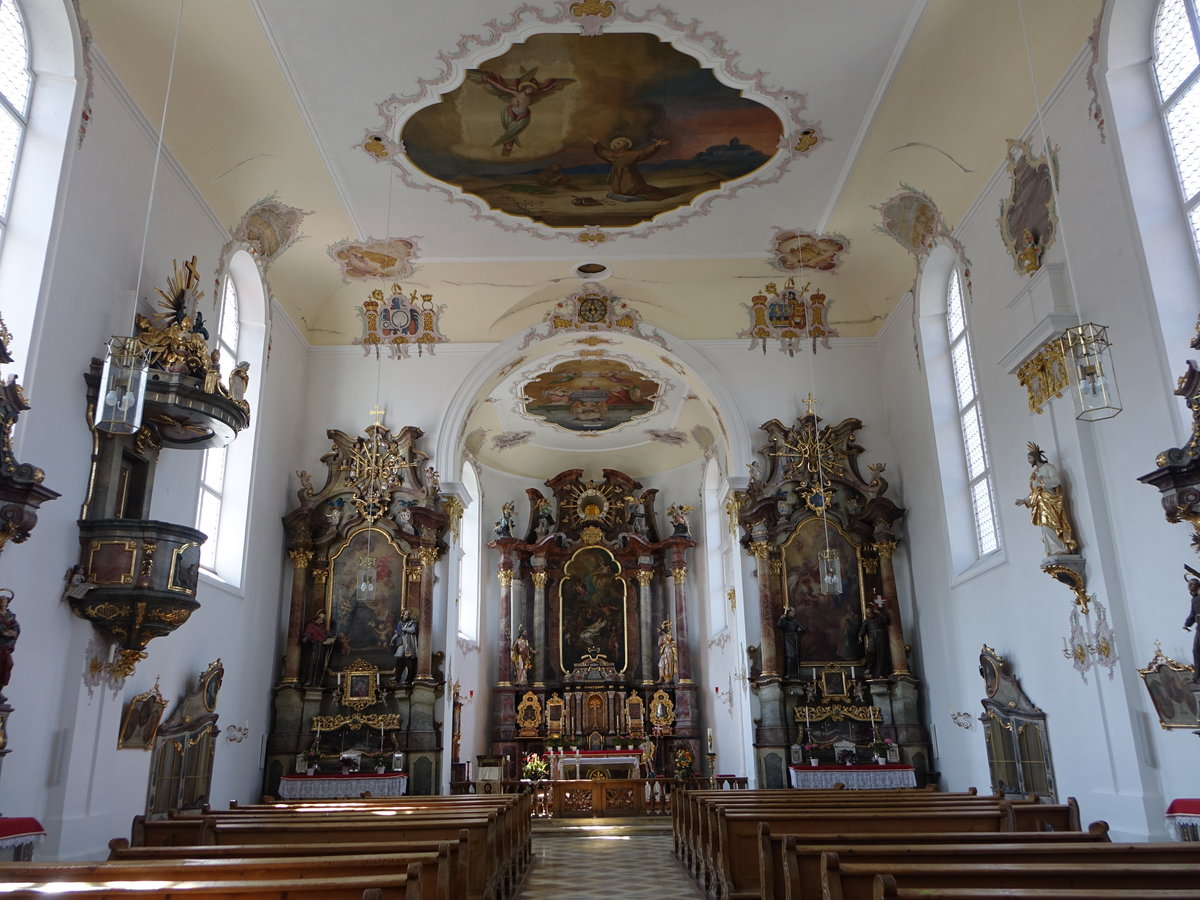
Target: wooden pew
<point x="395" y="886"/>
<point x="856" y="881"/>
<point x="887" y="890"/>
<point x="433" y="867"/>
<point x="731" y="862"/>
<point x="790" y="865"/>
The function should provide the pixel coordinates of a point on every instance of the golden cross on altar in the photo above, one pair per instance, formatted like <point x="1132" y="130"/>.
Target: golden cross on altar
<point x="378" y="412"/>
<point x="809" y="401"/>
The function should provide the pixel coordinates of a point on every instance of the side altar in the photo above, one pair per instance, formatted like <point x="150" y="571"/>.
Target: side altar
<point x="360" y="680"/>
<point x="832" y="674"/>
<point x="594" y="645"/>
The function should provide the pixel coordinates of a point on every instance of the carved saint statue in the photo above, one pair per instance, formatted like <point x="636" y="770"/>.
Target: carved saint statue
<point x="792" y="632"/>
<point x="678" y="514"/>
<point x="1193" y="617"/>
<point x="320" y="640"/>
<point x="876" y="649"/>
<point x="405" y="642"/>
<point x="1047" y="503"/>
<point x="522" y="657"/>
<point x="668" y="657"/>
<point x="10" y="629"/>
<point x="508" y="517"/>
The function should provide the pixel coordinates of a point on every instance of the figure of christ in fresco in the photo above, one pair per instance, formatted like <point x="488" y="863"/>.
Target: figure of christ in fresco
<point x="625" y="182"/>
<point x="592" y="609"/>
<point x="519" y="95"/>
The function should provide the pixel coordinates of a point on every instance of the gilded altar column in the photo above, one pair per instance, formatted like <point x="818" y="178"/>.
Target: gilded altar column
<point x="539" y="626"/>
<point x="505" y="574"/>
<point x="682" y="646"/>
<point x="887" y="575"/>
<point x="424" y="575"/>
<point x="646" y="624"/>
<point x="761" y="550"/>
<point x="301" y="559"/>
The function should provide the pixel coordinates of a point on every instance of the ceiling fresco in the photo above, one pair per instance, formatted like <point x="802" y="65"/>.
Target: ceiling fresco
<point x="609" y="130"/>
<point x="594" y="394"/>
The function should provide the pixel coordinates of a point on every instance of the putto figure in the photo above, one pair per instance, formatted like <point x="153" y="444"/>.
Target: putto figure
<point x="1047" y="503"/>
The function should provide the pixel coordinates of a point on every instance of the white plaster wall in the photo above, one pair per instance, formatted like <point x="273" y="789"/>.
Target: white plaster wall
<point x="1107" y="747"/>
<point x="65" y="768"/>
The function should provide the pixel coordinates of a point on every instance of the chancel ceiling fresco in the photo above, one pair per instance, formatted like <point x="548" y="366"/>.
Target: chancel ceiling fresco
<point x="590" y="394"/>
<point x="608" y="130"/>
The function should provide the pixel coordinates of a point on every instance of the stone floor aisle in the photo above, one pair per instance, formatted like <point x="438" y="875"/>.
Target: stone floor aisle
<point x="582" y="859"/>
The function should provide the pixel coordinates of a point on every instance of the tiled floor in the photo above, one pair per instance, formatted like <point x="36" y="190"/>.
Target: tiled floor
<point x="584" y="860"/>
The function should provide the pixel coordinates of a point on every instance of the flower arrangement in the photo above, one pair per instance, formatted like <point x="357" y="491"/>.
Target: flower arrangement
<point x="684" y="763"/>
<point x="883" y="746"/>
<point x="816" y="751"/>
<point x="312" y="756"/>
<point x="535" y="768"/>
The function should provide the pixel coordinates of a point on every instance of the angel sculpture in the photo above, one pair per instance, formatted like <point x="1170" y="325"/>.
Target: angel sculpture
<point x="519" y="95"/>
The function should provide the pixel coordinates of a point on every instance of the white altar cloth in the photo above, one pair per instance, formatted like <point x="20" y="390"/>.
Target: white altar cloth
<point x="874" y="777"/>
<point x="341" y="787"/>
<point x="579" y="764"/>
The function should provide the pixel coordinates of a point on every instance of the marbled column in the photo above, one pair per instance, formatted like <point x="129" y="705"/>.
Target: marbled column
<point x="505" y="574"/>
<point x="301" y="558"/>
<point x="428" y="556"/>
<point x="766" y="609"/>
<point x="887" y="575"/>
<point x="682" y="646"/>
<point x="646" y="624"/>
<point x="538" y="636"/>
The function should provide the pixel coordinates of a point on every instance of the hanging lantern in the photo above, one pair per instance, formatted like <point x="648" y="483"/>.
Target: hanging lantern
<point x="1086" y="347"/>
<point x="366" y="582"/>
<point x="829" y="567"/>
<point x="122" y="386"/>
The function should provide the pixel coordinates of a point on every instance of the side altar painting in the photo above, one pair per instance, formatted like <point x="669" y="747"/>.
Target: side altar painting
<point x="364" y="621"/>
<point x="832" y="617"/>
<point x="572" y="130"/>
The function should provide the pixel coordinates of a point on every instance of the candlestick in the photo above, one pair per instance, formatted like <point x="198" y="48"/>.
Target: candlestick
<point x="710" y="742"/>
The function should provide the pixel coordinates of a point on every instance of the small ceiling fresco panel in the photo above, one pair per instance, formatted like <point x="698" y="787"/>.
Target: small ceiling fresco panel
<point x="590" y="395"/>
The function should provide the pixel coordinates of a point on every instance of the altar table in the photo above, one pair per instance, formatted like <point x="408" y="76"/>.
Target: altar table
<point x="1183" y="820"/>
<point x="857" y="778"/>
<point x="581" y="762"/>
<point x="341" y="787"/>
<point x="21" y="835"/>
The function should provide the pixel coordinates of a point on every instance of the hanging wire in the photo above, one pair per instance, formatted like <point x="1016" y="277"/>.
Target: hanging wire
<point x="162" y="124"/>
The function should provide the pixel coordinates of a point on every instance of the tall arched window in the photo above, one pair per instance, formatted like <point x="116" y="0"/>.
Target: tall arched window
<point x="469" y="559"/>
<point x="240" y="327"/>
<point x="1177" y="70"/>
<point x="970" y="418"/>
<point x="715" y="542"/>
<point x="16" y="82"/>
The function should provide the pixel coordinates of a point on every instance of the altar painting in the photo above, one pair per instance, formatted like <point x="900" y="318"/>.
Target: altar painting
<point x="832" y="620"/>
<point x="363" y="621"/>
<point x="572" y="130"/>
<point x="592" y="608"/>
<point x="590" y="395"/>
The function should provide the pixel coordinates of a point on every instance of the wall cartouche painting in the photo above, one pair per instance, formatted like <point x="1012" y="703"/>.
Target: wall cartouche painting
<point x="592" y="608"/>
<point x="832" y="620"/>
<point x="606" y="130"/>
<point x="589" y="395"/>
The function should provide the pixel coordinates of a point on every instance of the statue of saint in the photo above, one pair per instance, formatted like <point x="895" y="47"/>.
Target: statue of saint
<point x="405" y="642"/>
<point x="508" y="519"/>
<point x="319" y="639"/>
<point x="1047" y="503"/>
<point x="876" y="649"/>
<point x="1193" y="617"/>
<point x="792" y="632"/>
<point x="668" y="657"/>
<point x="522" y="657"/>
<point x="10" y="629"/>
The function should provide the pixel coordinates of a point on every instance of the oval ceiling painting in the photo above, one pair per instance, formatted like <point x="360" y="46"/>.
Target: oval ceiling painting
<point x="590" y="395"/>
<point x="608" y="130"/>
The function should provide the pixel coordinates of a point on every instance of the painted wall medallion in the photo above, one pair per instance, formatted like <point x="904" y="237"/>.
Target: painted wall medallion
<point x="913" y="220"/>
<point x="589" y="395"/>
<point x="399" y="323"/>
<point x="1028" y="223"/>
<point x="374" y="258"/>
<point x="270" y="227"/>
<point x="794" y="251"/>
<point x="789" y="315"/>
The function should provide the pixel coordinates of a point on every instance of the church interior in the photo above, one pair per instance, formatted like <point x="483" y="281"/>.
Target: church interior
<point x="599" y="391"/>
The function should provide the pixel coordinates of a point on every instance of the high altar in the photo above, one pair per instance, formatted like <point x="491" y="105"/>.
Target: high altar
<point x="599" y="595"/>
<point x="832" y="675"/>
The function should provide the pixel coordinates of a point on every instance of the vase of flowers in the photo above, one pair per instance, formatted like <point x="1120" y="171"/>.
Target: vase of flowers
<point x="534" y="768"/>
<point x="882" y="748"/>
<point x="685" y="763"/>
<point x="811" y="751"/>
<point x="312" y="756"/>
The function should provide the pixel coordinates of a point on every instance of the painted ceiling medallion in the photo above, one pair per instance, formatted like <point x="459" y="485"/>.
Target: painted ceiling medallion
<point x="793" y="251"/>
<point x="1027" y="222"/>
<point x="589" y="395"/>
<point x="400" y="322"/>
<point x="374" y="258"/>
<point x="587" y="131"/>
<point x="912" y="219"/>
<point x="592" y="309"/>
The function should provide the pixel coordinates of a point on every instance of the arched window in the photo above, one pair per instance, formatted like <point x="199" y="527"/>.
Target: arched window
<point x="715" y="542"/>
<point x="1177" y="70"/>
<point x="240" y="330"/>
<point x="468" y="578"/>
<point x="16" y="83"/>
<point x="970" y="418"/>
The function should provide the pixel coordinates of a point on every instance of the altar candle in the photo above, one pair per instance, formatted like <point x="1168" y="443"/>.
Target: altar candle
<point x="710" y="746"/>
